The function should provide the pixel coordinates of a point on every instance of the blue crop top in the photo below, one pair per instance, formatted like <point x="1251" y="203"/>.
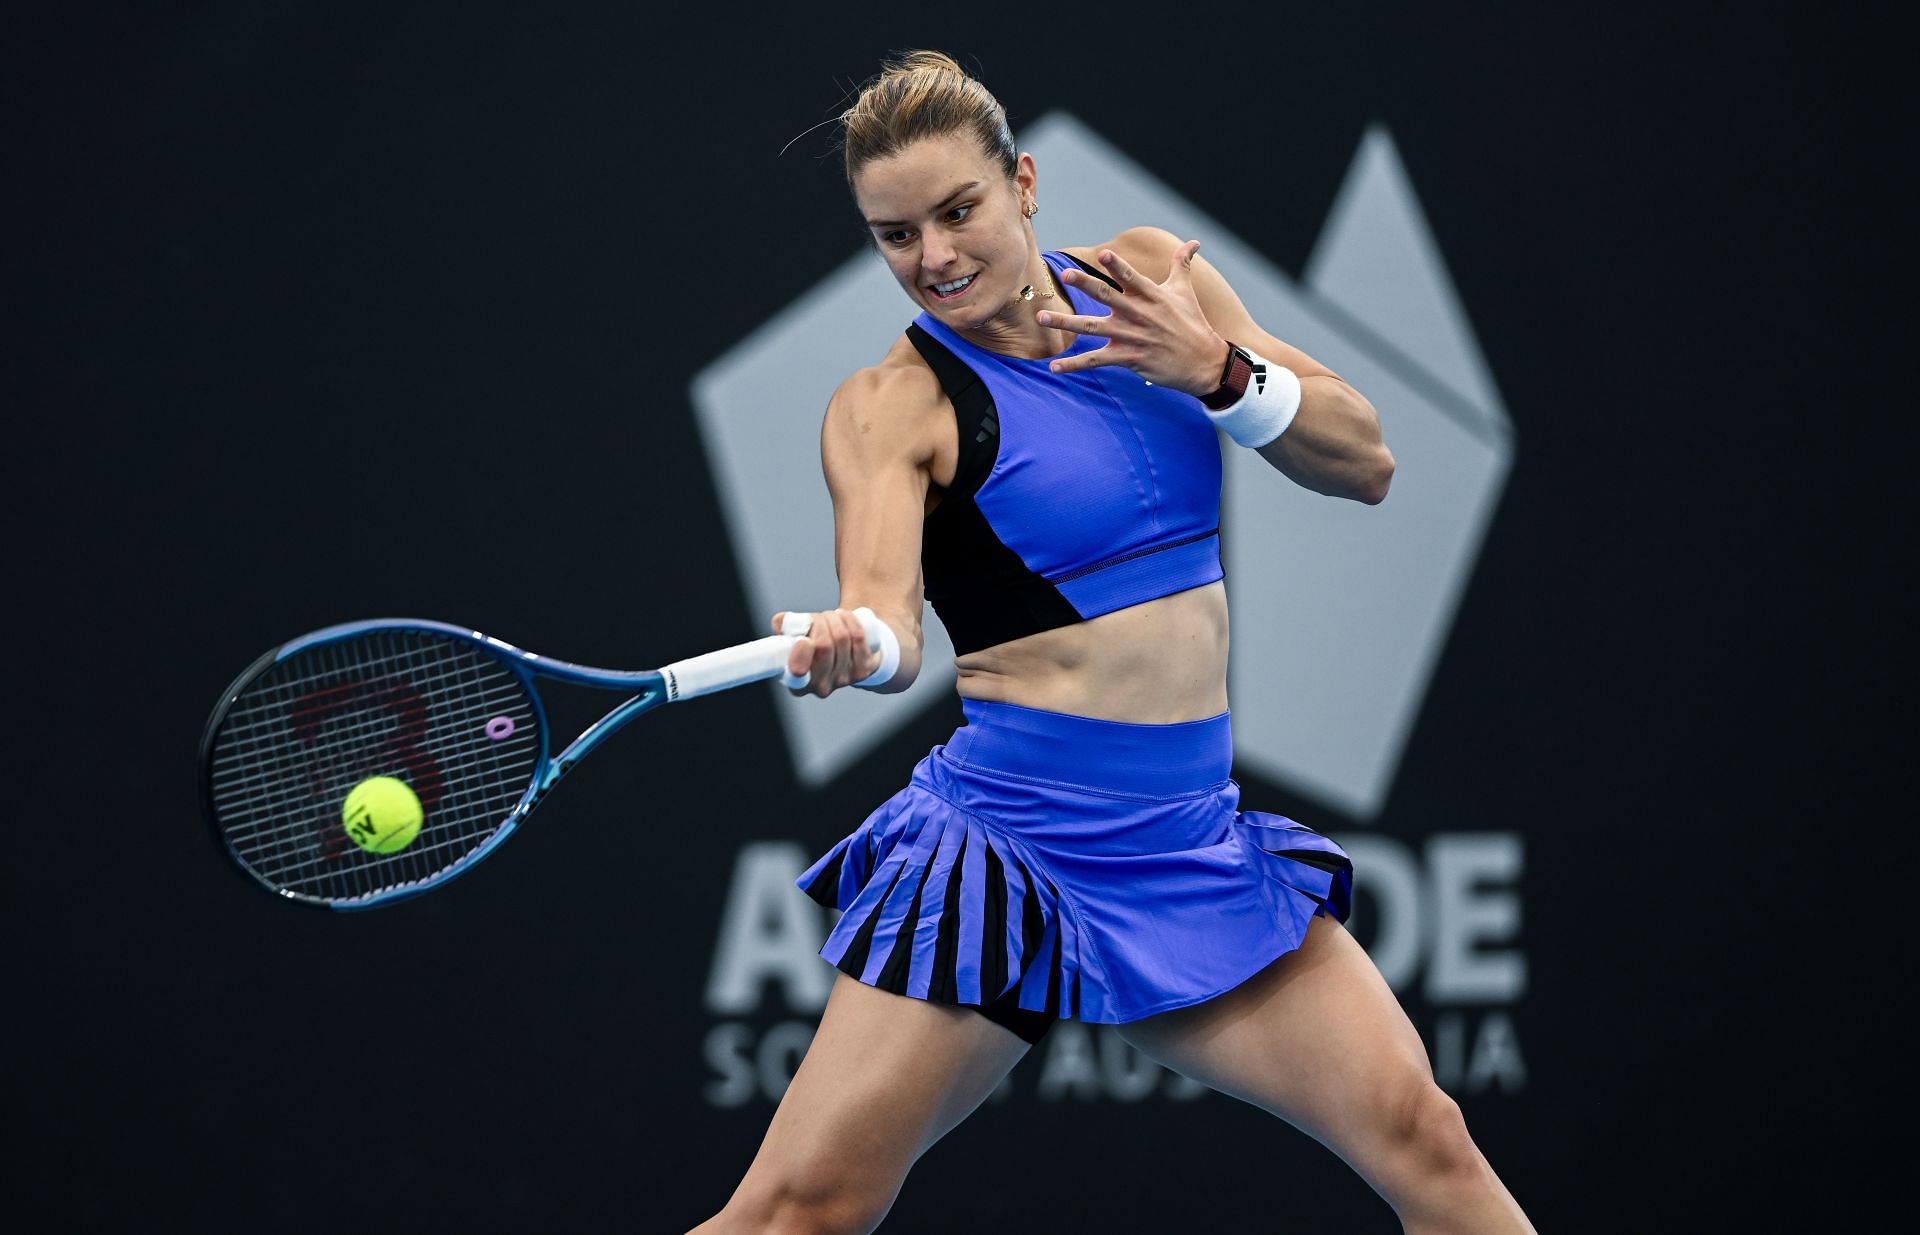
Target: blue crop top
<point x="1075" y="494"/>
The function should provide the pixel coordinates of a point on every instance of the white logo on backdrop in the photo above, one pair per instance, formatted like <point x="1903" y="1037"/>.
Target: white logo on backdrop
<point x="1340" y="610"/>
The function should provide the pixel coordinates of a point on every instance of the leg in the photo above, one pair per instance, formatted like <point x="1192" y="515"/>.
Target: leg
<point x="1318" y="1039"/>
<point x="885" y="1078"/>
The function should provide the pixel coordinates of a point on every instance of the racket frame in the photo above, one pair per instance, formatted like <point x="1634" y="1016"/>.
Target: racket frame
<point x="683" y="679"/>
<point x="650" y="689"/>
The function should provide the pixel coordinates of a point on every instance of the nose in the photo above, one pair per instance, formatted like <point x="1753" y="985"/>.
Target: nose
<point x="937" y="253"/>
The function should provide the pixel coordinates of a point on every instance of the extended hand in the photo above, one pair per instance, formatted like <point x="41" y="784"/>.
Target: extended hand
<point x="1155" y="329"/>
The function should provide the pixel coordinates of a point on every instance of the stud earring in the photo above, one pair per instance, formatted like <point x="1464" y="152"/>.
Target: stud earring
<point x="1033" y="208"/>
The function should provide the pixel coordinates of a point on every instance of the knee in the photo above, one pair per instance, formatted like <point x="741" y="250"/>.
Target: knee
<point x="824" y="1203"/>
<point x="1427" y="1135"/>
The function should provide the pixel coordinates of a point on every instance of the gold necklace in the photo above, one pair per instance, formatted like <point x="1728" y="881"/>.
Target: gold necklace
<point x="1046" y="293"/>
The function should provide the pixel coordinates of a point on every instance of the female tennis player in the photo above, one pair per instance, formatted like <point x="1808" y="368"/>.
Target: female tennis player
<point x="1040" y="449"/>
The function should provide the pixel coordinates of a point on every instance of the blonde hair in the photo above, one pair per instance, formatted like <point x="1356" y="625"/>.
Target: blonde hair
<point x="923" y="94"/>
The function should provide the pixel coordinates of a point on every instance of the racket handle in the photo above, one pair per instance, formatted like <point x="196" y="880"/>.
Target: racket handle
<point x="752" y="662"/>
<point x="728" y="667"/>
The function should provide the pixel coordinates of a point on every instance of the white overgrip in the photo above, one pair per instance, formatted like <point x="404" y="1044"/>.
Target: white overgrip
<point x="767" y="658"/>
<point x="728" y="667"/>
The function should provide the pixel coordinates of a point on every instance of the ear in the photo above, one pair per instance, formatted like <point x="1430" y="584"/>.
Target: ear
<point x="1026" y="177"/>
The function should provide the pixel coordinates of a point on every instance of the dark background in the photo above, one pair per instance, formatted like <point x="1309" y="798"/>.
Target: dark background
<point x="323" y="315"/>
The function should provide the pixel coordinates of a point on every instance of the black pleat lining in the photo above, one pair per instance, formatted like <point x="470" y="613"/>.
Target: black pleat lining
<point x="993" y="926"/>
<point x="989" y="965"/>
<point x="855" y="961"/>
<point x="943" y="985"/>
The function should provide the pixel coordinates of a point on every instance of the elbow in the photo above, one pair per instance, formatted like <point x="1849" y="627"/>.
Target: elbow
<point x="1373" y="490"/>
<point x="912" y="643"/>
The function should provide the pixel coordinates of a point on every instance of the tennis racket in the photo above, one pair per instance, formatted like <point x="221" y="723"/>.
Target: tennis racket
<point x="300" y="759"/>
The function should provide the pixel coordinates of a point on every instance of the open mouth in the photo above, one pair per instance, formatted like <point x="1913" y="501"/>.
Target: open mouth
<point x="953" y="289"/>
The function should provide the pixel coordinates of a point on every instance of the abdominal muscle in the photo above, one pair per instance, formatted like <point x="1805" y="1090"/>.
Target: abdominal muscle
<point x="1156" y="663"/>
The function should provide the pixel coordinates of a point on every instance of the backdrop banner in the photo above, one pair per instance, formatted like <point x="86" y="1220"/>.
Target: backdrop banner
<point x="525" y="320"/>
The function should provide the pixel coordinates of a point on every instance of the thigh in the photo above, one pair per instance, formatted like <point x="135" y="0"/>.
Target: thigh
<point x="885" y="1077"/>
<point x="1317" y="1038"/>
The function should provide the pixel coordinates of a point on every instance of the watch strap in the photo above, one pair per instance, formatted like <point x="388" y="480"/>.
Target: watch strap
<point x="1234" y="377"/>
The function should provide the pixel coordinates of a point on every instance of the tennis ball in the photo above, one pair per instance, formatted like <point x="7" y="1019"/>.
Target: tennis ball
<point x="382" y="815"/>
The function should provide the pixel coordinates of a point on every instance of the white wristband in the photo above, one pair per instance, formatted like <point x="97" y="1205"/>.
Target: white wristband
<point x="1266" y="409"/>
<point x="889" y="649"/>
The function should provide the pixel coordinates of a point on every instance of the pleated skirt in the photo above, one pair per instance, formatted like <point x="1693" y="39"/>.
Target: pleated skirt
<point x="1101" y="870"/>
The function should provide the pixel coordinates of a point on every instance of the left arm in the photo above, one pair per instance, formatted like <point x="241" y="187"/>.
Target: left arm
<point x="1333" y="445"/>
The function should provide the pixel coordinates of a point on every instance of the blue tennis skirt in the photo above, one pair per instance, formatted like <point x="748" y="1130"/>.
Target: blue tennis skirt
<point x="1101" y="870"/>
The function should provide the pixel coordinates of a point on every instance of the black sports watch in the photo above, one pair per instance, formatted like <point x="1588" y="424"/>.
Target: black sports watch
<point x="1233" y="379"/>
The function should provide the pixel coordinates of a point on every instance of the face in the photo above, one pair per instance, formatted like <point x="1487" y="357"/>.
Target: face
<point x="951" y="226"/>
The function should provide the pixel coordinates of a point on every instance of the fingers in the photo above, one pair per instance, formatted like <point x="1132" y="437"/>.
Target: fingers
<point x="1182" y="272"/>
<point x="1088" y="285"/>
<point x="833" y="653"/>
<point x="800" y="655"/>
<point x="1075" y="322"/>
<point x="1155" y="329"/>
<point x="828" y="640"/>
<point x="1123" y="273"/>
<point x="840" y="654"/>
<point x="799" y="661"/>
<point x="1129" y="278"/>
<point x="1099" y="357"/>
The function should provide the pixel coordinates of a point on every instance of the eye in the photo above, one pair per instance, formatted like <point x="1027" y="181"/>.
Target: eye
<point x="958" y="213"/>
<point x="897" y="238"/>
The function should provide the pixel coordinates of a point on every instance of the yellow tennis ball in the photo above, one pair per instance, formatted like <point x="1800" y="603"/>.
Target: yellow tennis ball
<point x="382" y="815"/>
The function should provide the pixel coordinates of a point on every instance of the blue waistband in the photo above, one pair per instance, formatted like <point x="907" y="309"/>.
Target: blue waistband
<point x="1116" y="755"/>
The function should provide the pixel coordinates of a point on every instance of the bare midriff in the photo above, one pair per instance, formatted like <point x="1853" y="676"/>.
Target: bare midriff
<point x="1155" y="663"/>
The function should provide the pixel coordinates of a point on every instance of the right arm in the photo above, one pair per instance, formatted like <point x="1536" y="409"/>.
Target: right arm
<point x="877" y="446"/>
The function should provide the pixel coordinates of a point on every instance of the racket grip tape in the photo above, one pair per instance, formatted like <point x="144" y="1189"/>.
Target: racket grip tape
<point x="727" y="668"/>
<point x="767" y="658"/>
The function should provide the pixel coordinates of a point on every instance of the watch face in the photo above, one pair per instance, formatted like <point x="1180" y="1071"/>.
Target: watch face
<point x="1233" y="382"/>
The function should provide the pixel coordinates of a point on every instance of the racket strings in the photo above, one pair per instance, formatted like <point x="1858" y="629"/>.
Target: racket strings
<point x="374" y="724"/>
<point x="322" y="870"/>
<point x="450" y="720"/>
<point x="302" y="768"/>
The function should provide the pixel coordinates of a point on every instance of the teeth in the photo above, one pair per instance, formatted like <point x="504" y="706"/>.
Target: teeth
<point x="947" y="289"/>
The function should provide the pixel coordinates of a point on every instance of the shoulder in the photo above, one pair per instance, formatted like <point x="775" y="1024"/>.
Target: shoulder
<point x="892" y="408"/>
<point x="901" y="387"/>
<point x="901" y="371"/>
<point x="1149" y="250"/>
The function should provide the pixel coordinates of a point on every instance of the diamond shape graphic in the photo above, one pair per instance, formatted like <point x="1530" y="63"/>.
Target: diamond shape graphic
<point x="1339" y="610"/>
